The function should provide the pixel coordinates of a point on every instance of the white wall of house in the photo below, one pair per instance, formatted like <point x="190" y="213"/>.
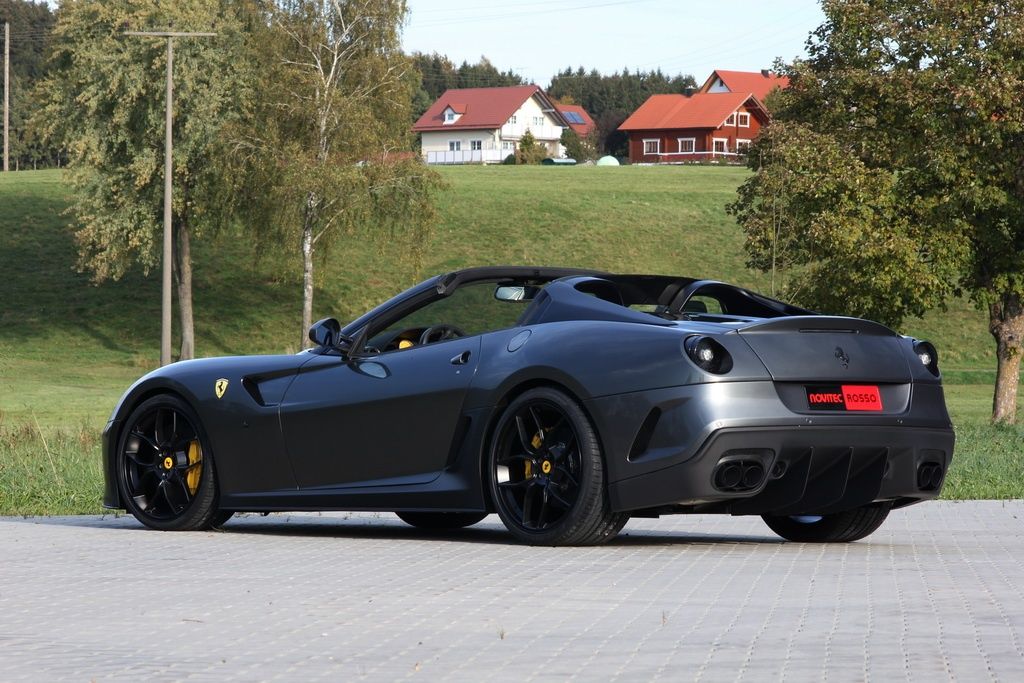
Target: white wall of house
<point x="541" y="124"/>
<point x="718" y="86"/>
<point x="461" y="147"/>
<point x="439" y="141"/>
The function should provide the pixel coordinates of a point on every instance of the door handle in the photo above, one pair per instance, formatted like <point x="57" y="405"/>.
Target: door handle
<point x="461" y="359"/>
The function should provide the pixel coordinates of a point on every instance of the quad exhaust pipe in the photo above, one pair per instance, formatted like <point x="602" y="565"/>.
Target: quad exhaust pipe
<point x="738" y="475"/>
<point x="929" y="476"/>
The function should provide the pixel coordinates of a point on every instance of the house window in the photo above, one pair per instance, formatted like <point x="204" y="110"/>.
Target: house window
<point x="742" y="146"/>
<point x="512" y="119"/>
<point x="508" y="146"/>
<point x="449" y="116"/>
<point x="476" y="145"/>
<point x="687" y="145"/>
<point x="744" y="120"/>
<point x="731" y="121"/>
<point x="718" y="145"/>
<point x="538" y="120"/>
<point x="652" y="146"/>
<point x="455" y="145"/>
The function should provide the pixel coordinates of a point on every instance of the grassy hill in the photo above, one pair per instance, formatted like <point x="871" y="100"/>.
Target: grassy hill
<point x="68" y="347"/>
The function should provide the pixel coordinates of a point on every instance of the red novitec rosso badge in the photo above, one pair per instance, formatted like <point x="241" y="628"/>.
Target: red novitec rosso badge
<point x="848" y="397"/>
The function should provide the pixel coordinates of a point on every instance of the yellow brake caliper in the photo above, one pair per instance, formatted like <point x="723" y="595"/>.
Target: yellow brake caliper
<point x="536" y="442"/>
<point x="195" y="456"/>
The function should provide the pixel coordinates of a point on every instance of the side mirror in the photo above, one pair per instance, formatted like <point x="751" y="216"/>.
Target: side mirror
<point x="327" y="333"/>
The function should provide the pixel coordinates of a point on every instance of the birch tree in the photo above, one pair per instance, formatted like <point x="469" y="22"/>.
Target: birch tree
<point x="325" y="154"/>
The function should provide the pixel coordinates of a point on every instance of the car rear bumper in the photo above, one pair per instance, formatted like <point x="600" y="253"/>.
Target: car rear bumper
<point x="806" y="470"/>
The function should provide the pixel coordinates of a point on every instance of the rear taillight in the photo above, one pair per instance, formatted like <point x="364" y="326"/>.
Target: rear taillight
<point x="707" y="354"/>
<point x="928" y="356"/>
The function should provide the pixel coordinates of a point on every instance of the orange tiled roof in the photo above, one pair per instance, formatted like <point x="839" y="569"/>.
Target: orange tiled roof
<point x="754" y="82"/>
<point x="702" y="110"/>
<point x="582" y="129"/>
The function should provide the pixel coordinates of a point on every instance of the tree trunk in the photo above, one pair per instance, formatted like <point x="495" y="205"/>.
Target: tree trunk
<point x="1006" y="323"/>
<point x="188" y="331"/>
<point x="307" y="270"/>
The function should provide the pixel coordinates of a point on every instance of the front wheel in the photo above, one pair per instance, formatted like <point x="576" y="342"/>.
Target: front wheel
<point x="546" y="473"/>
<point x="165" y="467"/>
<point x="840" y="527"/>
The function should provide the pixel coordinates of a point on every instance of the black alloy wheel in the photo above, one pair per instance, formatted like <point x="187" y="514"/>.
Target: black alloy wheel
<point x="546" y="473"/>
<point x="165" y="468"/>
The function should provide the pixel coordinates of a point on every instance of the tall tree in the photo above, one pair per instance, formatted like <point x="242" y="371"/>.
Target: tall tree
<point x="31" y="24"/>
<point x="104" y="101"/>
<point x="323" y="154"/>
<point x="894" y="168"/>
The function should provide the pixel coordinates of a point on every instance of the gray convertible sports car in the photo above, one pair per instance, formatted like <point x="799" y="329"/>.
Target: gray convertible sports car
<point x="567" y="401"/>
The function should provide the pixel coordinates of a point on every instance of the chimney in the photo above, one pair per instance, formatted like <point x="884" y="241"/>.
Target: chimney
<point x="766" y="73"/>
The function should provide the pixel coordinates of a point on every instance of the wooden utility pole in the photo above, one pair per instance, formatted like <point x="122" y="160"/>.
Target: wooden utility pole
<point x="165" y="326"/>
<point x="7" y="92"/>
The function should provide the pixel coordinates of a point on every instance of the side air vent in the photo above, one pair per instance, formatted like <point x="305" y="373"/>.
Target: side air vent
<point x="643" y="435"/>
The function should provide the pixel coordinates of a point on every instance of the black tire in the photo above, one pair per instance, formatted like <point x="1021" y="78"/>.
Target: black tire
<point x="545" y="470"/>
<point x="221" y="518"/>
<point x="157" y="466"/>
<point x="840" y="527"/>
<point x="441" y="521"/>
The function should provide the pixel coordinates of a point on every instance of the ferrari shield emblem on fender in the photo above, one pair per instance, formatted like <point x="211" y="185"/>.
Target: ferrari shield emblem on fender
<point x="220" y="386"/>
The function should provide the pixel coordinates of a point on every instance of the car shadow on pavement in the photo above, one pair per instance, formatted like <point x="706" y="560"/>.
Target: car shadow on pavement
<point x="386" y="528"/>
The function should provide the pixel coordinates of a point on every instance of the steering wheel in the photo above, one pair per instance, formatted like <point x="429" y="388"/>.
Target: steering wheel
<point x="436" y="333"/>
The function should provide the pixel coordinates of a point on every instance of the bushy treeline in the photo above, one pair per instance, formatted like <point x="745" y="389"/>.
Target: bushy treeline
<point x="437" y="73"/>
<point x="31" y="25"/>
<point x="611" y="98"/>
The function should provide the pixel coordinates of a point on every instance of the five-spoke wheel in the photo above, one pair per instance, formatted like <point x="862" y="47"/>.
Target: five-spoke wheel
<point x="165" y="468"/>
<point x="546" y="473"/>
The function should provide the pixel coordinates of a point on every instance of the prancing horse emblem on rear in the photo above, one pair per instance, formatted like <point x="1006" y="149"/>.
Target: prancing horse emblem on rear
<point x="220" y="386"/>
<point x="842" y="357"/>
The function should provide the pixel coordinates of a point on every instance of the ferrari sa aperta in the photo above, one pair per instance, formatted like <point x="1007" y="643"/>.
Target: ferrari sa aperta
<point x="566" y="401"/>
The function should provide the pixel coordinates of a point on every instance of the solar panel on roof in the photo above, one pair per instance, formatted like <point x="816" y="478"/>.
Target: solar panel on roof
<point x="573" y="117"/>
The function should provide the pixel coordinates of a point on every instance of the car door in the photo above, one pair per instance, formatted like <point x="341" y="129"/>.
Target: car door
<point x="383" y="419"/>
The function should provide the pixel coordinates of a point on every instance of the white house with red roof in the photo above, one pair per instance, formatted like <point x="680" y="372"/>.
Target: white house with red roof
<point x="484" y="125"/>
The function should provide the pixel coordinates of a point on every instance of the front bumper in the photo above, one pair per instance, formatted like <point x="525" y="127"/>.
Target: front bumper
<point x="808" y="470"/>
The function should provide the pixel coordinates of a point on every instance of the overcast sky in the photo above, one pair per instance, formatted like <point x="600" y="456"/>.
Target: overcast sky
<point x="538" y="38"/>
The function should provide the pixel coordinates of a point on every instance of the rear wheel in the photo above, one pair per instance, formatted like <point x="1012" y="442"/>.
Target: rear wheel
<point x="165" y="467"/>
<point x="840" y="527"/>
<point x="440" y="521"/>
<point x="546" y="473"/>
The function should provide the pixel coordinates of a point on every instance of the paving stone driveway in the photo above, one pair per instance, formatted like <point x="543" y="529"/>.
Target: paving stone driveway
<point x="937" y="593"/>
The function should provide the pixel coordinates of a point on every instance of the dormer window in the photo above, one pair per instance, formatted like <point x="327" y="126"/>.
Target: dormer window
<point x="451" y="114"/>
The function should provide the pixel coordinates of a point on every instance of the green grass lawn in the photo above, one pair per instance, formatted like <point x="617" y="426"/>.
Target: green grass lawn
<point x="68" y="347"/>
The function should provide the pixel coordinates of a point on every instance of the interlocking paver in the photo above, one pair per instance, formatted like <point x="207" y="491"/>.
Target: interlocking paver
<point x="937" y="592"/>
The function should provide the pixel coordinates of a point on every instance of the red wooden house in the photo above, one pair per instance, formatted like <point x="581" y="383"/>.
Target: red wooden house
<point x="681" y="128"/>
